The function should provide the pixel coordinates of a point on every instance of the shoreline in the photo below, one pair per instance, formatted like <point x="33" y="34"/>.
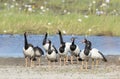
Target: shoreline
<point x="115" y="59"/>
<point x="13" y="68"/>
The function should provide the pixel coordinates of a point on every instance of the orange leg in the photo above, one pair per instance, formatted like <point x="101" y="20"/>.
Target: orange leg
<point x="39" y="61"/>
<point x="60" y="61"/>
<point x="97" y="62"/>
<point x="86" y="65"/>
<point x="82" y="65"/>
<point x="66" y="58"/>
<point x="71" y="59"/>
<point x="77" y="60"/>
<point x="64" y="61"/>
<point x="31" y="63"/>
<point x="26" y="62"/>
<point x="92" y="63"/>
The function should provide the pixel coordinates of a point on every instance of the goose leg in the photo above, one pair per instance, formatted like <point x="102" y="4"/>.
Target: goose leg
<point x="77" y="60"/>
<point x="82" y="65"/>
<point x="86" y="65"/>
<point x="48" y="62"/>
<point x="31" y="62"/>
<point x="92" y="63"/>
<point x="71" y="59"/>
<point x="60" y="61"/>
<point x="67" y="59"/>
<point x="97" y="62"/>
<point x="39" y="61"/>
<point x="26" y="61"/>
<point x="64" y="61"/>
<point x="54" y="63"/>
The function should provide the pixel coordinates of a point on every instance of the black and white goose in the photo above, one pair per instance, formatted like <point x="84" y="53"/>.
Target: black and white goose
<point x="94" y="53"/>
<point x="75" y="50"/>
<point x="97" y="55"/>
<point x="51" y="54"/>
<point x="38" y="53"/>
<point x="28" y="51"/>
<point x="85" y="53"/>
<point x="64" y="48"/>
<point x="46" y="44"/>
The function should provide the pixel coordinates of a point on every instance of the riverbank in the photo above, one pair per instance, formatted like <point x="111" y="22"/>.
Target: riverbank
<point x="68" y="24"/>
<point x="14" y="68"/>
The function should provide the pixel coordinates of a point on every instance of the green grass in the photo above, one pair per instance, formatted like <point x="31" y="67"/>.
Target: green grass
<point x="14" y="21"/>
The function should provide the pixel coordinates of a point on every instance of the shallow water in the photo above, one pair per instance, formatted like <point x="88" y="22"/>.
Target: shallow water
<point x="12" y="45"/>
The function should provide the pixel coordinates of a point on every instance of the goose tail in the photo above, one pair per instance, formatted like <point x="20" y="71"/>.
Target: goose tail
<point x="104" y="59"/>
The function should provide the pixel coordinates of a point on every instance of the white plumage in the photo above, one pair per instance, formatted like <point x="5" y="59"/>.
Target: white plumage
<point x="37" y="53"/>
<point x="67" y="46"/>
<point x="94" y="53"/>
<point x="47" y="45"/>
<point x="52" y="56"/>
<point x="29" y="52"/>
<point x="83" y="56"/>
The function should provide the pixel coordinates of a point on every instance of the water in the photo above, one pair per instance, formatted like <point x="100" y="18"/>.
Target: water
<point x="12" y="45"/>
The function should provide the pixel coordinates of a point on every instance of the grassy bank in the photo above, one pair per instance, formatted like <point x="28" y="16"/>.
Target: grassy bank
<point x="71" y="24"/>
<point x="53" y="16"/>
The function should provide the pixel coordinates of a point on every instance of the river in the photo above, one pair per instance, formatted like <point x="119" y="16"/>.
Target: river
<point x="12" y="45"/>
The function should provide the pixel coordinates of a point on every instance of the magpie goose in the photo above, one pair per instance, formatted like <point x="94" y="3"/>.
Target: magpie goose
<point x="75" y="50"/>
<point x="64" y="48"/>
<point x="85" y="53"/>
<point x="93" y="53"/>
<point x="28" y="51"/>
<point x="51" y="54"/>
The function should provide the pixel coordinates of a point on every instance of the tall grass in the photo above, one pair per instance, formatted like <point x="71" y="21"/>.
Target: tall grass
<point x="71" y="16"/>
<point x="39" y="23"/>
